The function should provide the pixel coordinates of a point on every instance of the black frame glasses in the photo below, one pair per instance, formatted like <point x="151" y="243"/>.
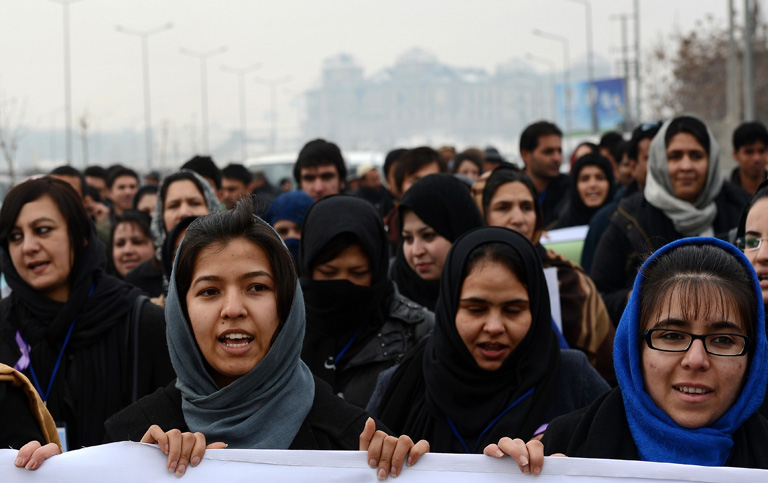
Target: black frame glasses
<point x="706" y="339"/>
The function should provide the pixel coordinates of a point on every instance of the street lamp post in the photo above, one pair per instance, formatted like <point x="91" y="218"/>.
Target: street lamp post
<point x="566" y="72"/>
<point x="241" y="80"/>
<point x="273" y="83"/>
<point x="551" y="66"/>
<point x="67" y="80"/>
<point x="592" y="91"/>
<point x="203" y="56"/>
<point x="144" y="35"/>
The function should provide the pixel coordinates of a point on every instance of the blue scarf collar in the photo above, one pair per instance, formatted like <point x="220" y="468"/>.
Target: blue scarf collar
<point x="657" y="436"/>
<point x="262" y="409"/>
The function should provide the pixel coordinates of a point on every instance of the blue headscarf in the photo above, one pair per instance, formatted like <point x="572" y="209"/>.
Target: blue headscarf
<point x="291" y="206"/>
<point x="657" y="436"/>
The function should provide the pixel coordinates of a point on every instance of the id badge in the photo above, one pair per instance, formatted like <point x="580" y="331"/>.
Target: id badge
<point x="61" y="428"/>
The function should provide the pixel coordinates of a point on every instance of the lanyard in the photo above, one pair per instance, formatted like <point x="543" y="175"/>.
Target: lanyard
<point x="47" y="393"/>
<point x="331" y="362"/>
<point x="461" y="440"/>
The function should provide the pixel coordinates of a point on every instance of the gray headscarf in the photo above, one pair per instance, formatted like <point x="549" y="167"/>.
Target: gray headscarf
<point x="262" y="409"/>
<point x="158" y="224"/>
<point x="689" y="219"/>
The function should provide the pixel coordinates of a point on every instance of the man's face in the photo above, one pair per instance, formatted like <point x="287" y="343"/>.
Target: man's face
<point x="426" y="170"/>
<point x="545" y="160"/>
<point x="641" y="165"/>
<point x="752" y="159"/>
<point x="98" y="183"/>
<point x="232" y="190"/>
<point x="372" y="179"/>
<point x="320" y="181"/>
<point x="122" y="192"/>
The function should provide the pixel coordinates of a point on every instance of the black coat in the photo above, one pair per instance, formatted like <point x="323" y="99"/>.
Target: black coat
<point x="601" y="431"/>
<point x="636" y="230"/>
<point x="18" y="425"/>
<point x="331" y="424"/>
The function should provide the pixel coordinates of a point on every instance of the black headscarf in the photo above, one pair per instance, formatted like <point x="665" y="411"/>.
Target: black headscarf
<point x="445" y="204"/>
<point x="94" y="377"/>
<point x="576" y="213"/>
<point x="338" y="310"/>
<point x="441" y="384"/>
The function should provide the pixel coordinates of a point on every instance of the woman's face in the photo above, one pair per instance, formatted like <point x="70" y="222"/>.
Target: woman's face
<point x="40" y="250"/>
<point x="287" y="229"/>
<point x="494" y="313"/>
<point x="424" y="249"/>
<point x="694" y="388"/>
<point x="469" y="169"/>
<point x="130" y="247"/>
<point x="687" y="162"/>
<point x="757" y="226"/>
<point x="593" y="186"/>
<point x="512" y="207"/>
<point x="147" y="203"/>
<point x="181" y="200"/>
<point x="232" y="306"/>
<point x="352" y="264"/>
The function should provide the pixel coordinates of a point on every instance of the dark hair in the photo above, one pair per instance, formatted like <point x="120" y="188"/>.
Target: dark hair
<point x="529" y="139"/>
<point x="646" y="130"/>
<point x="66" y="200"/>
<point x="762" y="192"/>
<point x="205" y="167"/>
<point x="221" y="228"/>
<point x="610" y="139"/>
<point x="503" y="175"/>
<point x="68" y="170"/>
<point x="392" y="158"/>
<point x="466" y="156"/>
<point x="238" y="172"/>
<point x="138" y="219"/>
<point x="413" y="160"/>
<point x="689" y="125"/>
<point x="150" y="189"/>
<point x="593" y="149"/>
<point x="618" y="150"/>
<point x="96" y="172"/>
<point x="333" y="249"/>
<point x="319" y="152"/>
<point x="89" y="190"/>
<point x="697" y="276"/>
<point x="120" y="171"/>
<point x="499" y="253"/>
<point x="748" y="133"/>
<point x="178" y="176"/>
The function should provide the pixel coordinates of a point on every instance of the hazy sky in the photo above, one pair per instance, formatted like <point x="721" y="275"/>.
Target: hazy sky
<point x="288" y="37"/>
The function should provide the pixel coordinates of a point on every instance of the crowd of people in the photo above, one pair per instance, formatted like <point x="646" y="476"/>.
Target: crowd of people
<point x="397" y="309"/>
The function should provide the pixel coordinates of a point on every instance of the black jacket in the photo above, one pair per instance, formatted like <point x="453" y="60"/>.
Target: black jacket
<point x="331" y="424"/>
<point x="601" y="431"/>
<point x="636" y="230"/>
<point x="554" y="198"/>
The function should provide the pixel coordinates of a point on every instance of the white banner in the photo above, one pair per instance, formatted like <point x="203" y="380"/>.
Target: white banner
<point x="137" y="462"/>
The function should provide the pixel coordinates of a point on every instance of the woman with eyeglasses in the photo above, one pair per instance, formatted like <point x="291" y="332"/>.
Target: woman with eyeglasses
<point x="691" y="358"/>
<point x="684" y="196"/>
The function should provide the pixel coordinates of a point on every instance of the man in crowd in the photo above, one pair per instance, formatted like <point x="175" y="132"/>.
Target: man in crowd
<point x="235" y="183"/>
<point x="319" y="170"/>
<point x="750" y="151"/>
<point x="206" y="167"/>
<point x="542" y="151"/>
<point x="96" y="176"/>
<point x="122" y="185"/>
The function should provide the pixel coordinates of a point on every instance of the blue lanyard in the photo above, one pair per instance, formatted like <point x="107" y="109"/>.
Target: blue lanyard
<point x="47" y="393"/>
<point x="495" y="420"/>
<point x="331" y="362"/>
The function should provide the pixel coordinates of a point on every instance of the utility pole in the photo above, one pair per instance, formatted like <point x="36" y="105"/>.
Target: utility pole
<point x="203" y="56"/>
<point x="732" y="88"/>
<point x="144" y="35"/>
<point x="67" y="80"/>
<point x="273" y="83"/>
<point x="638" y="89"/>
<point x="592" y="90"/>
<point x="625" y="62"/>
<point x="241" y="81"/>
<point x="749" y="91"/>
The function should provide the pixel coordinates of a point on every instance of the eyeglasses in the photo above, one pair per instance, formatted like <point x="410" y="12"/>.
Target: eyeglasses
<point x="668" y="340"/>
<point x="749" y="243"/>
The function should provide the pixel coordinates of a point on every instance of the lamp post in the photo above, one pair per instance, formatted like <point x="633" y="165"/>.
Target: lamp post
<point x="241" y="81"/>
<point x="67" y="80"/>
<point x="551" y="65"/>
<point x="592" y="92"/>
<point x="144" y="35"/>
<point x="273" y="83"/>
<point x="566" y="72"/>
<point x="203" y="56"/>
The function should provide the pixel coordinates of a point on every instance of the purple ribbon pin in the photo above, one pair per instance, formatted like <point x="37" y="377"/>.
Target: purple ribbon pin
<point x="23" y="361"/>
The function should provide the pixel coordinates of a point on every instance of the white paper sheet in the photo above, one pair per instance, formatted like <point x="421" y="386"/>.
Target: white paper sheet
<point x="550" y="275"/>
<point x="136" y="462"/>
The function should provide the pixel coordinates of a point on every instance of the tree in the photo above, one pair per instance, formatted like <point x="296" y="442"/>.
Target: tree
<point x="11" y="130"/>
